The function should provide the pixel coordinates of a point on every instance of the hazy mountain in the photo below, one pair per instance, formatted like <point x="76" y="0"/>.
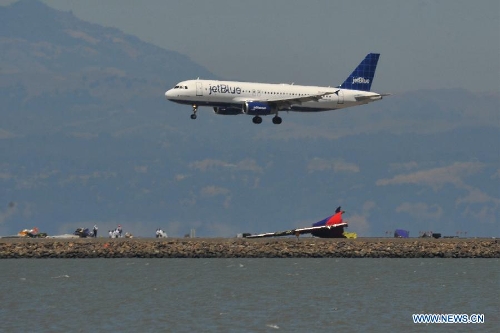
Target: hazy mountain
<point x="49" y="56"/>
<point x="86" y="137"/>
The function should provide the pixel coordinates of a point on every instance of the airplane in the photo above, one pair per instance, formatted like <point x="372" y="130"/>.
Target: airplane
<point x="261" y="99"/>
<point x="330" y="227"/>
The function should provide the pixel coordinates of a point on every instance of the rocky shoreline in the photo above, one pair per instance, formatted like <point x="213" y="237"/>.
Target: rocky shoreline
<point x="18" y="248"/>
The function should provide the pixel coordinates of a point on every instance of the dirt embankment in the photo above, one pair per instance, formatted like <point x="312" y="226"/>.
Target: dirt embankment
<point x="249" y="248"/>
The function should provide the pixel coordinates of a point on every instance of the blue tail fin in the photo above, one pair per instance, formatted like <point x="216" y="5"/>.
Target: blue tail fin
<point x="362" y="77"/>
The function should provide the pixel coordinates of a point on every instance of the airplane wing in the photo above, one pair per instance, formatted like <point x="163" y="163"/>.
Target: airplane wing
<point x="272" y="234"/>
<point x="286" y="102"/>
<point x="311" y="229"/>
<point x="296" y="232"/>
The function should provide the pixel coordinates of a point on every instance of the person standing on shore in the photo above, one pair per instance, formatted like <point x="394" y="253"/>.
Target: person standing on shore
<point x="95" y="230"/>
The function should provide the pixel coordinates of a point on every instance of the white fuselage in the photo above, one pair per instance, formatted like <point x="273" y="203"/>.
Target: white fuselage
<point x="286" y="96"/>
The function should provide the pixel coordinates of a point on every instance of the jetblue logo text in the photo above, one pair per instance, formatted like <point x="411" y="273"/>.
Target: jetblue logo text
<point x="255" y="108"/>
<point x="360" y="80"/>
<point x="224" y="89"/>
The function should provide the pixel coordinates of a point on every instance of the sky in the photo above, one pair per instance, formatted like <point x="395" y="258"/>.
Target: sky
<point x="423" y="44"/>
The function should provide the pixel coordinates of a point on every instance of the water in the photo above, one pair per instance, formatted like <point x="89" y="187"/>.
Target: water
<point x="245" y="295"/>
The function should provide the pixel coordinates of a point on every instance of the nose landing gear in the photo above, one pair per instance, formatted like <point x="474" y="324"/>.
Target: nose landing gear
<point x="277" y="120"/>
<point x="195" y="108"/>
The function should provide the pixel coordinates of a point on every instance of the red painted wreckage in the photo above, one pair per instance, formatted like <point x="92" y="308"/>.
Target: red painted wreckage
<point x="330" y="227"/>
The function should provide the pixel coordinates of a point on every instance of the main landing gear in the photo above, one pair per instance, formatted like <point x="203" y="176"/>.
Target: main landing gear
<point x="257" y="120"/>
<point x="195" y="108"/>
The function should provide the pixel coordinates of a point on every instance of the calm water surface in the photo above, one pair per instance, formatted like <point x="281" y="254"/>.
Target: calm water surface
<point x="245" y="295"/>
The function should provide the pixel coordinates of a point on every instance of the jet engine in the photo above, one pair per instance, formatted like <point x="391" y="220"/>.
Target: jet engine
<point x="228" y="111"/>
<point x="257" y="108"/>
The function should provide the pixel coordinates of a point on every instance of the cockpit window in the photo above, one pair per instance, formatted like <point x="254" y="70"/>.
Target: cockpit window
<point x="185" y="87"/>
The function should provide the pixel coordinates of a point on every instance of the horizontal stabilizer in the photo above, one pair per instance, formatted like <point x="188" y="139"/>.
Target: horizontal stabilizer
<point x="373" y="97"/>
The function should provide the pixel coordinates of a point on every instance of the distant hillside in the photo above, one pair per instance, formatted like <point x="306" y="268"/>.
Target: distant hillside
<point x="48" y="53"/>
